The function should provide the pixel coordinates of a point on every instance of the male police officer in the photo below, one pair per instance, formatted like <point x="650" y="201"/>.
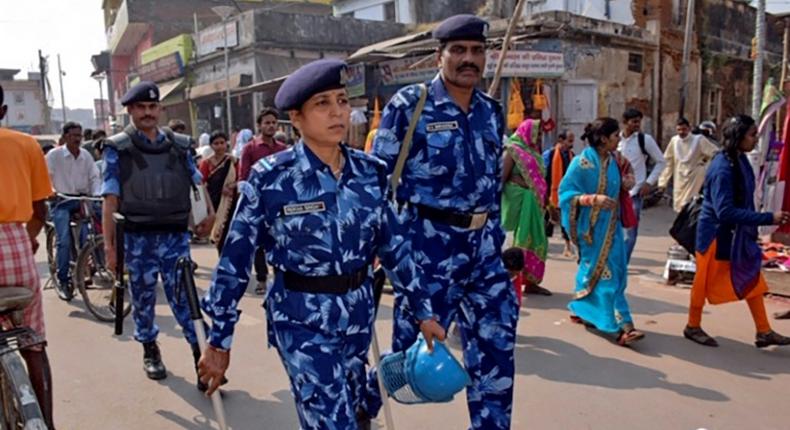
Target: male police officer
<point x="450" y="196"/>
<point x="148" y="177"/>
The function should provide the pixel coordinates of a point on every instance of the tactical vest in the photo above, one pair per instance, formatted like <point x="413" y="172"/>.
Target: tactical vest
<point x="155" y="181"/>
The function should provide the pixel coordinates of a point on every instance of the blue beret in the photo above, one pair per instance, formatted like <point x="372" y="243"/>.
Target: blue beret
<point x="309" y="80"/>
<point x="461" y="27"/>
<point x="144" y="91"/>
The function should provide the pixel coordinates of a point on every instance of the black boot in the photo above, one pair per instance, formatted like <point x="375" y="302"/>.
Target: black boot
<point x="152" y="361"/>
<point x="201" y="386"/>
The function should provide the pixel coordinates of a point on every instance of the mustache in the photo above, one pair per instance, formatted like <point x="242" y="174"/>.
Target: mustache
<point x="149" y="117"/>
<point x="464" y="66"/>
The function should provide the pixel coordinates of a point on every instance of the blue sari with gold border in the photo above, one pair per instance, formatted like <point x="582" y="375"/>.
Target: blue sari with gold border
<point x="598" y="235"/>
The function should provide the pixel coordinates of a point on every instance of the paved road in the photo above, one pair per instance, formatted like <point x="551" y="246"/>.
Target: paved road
<point x="566" y="378"/>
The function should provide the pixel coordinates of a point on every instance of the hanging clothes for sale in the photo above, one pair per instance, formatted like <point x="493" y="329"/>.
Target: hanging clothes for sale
<point x="515" y="106"/>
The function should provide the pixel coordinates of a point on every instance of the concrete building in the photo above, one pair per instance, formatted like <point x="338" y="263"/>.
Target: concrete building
<point x="408" y="11"/>
<point x="134" y="26"/>
<point x="265" y="46"/>
<point x="27" y="107"/>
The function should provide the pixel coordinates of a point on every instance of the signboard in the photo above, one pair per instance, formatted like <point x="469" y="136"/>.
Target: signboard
<point x="181" y="44"/>
<point x="356" y="80"/>
<point x="527" y="64"/>
<point x="408" y="70"/>
<point x="166" y="68"/>
<point x="213" y="38"/>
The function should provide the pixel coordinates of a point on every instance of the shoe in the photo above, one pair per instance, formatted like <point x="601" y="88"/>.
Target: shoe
<point x="536" y="289"/>
<point x="201" y="386"/>
<point x="262" y="287"/>
<point x="64" y="290"/>
<point x="152" y="362"/>
<point x="363" y="420"/>
<point x="696" y="334"/>
<point x="771" y="338"/>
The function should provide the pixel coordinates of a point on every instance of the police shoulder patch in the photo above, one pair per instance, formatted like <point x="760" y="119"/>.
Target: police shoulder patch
<point x="267" y="164"/>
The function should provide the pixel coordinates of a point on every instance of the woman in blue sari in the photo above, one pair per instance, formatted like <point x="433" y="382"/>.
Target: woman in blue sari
<point x="590" y="213"/>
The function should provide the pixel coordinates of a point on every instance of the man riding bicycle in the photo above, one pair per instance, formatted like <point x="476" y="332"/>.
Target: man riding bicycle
<point x="73" y="172"/>
<point x="26" y="187"/>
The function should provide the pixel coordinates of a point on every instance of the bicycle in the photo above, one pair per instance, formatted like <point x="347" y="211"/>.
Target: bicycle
<point x="19" y="408"/>
<point x="87" y="263"/>
<point x="52" y="264"/>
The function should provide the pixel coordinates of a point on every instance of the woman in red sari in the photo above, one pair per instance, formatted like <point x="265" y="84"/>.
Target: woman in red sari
<point x="220" y="175"/>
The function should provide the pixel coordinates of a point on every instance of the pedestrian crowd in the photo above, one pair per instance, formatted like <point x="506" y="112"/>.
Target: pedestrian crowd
<point x="430" y="206"/>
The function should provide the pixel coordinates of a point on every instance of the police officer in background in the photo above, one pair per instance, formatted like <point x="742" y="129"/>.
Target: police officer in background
<point x="320" y="211"/>
<point x="148" y="178"/>
<point x="450" y="200"/>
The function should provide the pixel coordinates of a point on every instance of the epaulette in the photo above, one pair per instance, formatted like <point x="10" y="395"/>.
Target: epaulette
<point x="267" y="164"/>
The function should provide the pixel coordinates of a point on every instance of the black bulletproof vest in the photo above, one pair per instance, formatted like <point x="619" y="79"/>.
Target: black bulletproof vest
<point x="155" y="183"/>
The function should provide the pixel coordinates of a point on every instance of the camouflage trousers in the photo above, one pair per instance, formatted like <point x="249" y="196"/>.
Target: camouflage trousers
<point x="148" y="257"/>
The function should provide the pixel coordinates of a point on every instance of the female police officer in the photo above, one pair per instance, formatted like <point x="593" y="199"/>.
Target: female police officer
<point x="321" y="211"/>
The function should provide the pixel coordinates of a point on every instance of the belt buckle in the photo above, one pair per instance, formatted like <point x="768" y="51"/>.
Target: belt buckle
<point x="478" y="221"/>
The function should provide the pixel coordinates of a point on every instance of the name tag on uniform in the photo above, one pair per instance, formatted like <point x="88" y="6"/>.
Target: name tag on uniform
<point x="441" y="126"/>
<point x="304" y="208"/>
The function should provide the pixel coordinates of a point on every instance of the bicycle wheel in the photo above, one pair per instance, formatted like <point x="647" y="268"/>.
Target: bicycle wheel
<point x="18" y="404"/>
<point x="95" y="282"/>
<point x="52" y="263"/>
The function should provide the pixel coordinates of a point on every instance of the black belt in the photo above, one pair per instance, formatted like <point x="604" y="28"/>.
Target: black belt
<point x="473" y="221"/>
<point x="330" y="284"/>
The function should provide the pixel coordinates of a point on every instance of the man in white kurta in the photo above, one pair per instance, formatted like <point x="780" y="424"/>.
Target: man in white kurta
<point x="687" y="157"/>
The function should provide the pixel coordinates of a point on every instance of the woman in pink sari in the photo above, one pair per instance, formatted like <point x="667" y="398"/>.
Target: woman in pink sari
<point x="524" y="200"/>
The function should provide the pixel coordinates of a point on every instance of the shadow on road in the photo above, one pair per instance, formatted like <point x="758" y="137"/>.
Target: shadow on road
<point x="241" y="409"/>
<point x="639" y="305"/>
<point x="731" y="356"/>
<point x="560" y="361"/>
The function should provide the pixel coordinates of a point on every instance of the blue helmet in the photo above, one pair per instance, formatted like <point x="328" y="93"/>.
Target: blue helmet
<point x="437" y="376"/>
<point x="418" y="376"/>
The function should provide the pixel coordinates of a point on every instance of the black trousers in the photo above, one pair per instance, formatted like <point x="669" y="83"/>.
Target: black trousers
<point x="261" y="269"/>
<point x="550" y="228"/>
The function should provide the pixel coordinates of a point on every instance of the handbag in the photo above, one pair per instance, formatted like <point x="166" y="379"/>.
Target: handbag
<point x="684" y="229"/>
<point x="627" y="213"/>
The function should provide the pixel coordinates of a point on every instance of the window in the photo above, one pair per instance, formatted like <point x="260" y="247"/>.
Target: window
<point x="714" y="104"/>
<point x="635" y="62"/>
<point x="389" y="11"/>
<point x="19" y="98"/>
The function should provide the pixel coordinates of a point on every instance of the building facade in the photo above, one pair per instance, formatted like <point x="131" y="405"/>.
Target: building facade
<point x="27" y="108"/>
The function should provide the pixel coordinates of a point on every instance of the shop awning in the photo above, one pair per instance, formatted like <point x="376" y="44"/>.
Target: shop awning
<point x="271" y="84"/>
<point x="217" y="86"/>
<point x="168" y="92"/>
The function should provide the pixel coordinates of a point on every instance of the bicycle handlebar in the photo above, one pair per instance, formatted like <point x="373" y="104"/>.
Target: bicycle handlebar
<point x="79" y="197"/>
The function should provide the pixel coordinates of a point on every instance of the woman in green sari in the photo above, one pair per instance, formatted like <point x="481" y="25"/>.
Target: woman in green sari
<point x="523" y="202"/>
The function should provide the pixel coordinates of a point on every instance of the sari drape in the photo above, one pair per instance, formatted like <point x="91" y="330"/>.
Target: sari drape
<point x="219" y="177"/>
<point x="523" y="207"/>
<point x="602" y="276"/>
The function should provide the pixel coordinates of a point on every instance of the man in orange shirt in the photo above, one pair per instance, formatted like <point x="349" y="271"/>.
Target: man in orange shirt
<point x="26" y="186"/>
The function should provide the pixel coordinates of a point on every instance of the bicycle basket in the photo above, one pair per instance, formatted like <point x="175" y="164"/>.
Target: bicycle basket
<point x="392" y="371"/>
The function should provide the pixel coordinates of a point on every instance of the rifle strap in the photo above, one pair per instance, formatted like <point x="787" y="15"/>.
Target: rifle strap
<point x="406" y="145"/>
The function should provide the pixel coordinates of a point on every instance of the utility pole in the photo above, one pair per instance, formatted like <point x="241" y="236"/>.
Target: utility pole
<point x="785" y="53"/>
<point x="42" y="70"/>
<point x="62" y="97"/>
<point x="757" y="86"/>
<point x="505" y="46"/>
<point x="684" y="72"/>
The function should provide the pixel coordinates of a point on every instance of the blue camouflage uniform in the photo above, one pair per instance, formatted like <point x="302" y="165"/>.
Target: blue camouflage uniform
<point x="150" y="255"/>
<point x="454" y="164"/>
<point x="312" y="224"/>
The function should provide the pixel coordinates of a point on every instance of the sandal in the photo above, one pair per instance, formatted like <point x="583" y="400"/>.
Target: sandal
<point x="627" y="338"/>
<point x="771" y="338"/>
<point x="698" y="335"/>
<point x="576" y="320"/>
